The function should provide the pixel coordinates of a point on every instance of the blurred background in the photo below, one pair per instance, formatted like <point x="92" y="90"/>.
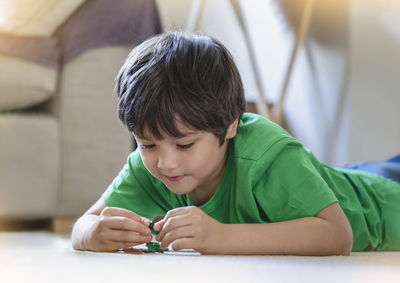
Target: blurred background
<point x="326" y="70"/>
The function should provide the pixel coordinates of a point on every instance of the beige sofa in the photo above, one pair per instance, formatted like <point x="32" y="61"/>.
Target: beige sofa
<point x="61" y="142"/>
<point x="58" y="162"/>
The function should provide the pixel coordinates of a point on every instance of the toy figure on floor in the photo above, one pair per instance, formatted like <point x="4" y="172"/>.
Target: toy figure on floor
<point x="228" y="182"/>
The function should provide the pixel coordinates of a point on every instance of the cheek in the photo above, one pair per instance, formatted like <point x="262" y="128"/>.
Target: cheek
<point x="205" y="160"/>
<point x="148" y="162"/>
<point x="197" y="162"/>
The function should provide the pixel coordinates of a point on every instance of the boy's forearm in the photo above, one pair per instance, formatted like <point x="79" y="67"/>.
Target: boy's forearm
<point x="79" y="230"/>
<point x="305" y="236"/>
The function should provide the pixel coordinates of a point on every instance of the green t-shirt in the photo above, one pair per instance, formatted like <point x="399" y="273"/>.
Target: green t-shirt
<point x="269" y="177"/>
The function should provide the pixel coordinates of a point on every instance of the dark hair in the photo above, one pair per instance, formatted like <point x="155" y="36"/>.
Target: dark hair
<point x="179" y="76"/>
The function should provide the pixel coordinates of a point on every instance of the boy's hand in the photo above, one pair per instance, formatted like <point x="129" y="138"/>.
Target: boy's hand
<point x="190" y="228"/>
<point x="117" y="228"/>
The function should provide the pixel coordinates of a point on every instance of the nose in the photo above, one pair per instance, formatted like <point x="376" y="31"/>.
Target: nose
<point x="167" y="160"/>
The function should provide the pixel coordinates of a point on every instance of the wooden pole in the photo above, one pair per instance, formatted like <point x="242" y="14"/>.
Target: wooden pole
<point x="195" y="16"/>
<point x="262" y="104"/>
<point x="300" y="36"/>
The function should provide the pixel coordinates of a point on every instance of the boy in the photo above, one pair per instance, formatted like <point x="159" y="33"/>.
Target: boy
<point x="228" y="182"/>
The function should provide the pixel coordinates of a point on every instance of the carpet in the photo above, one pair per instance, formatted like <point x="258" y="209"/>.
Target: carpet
<point x="47" y="257"/>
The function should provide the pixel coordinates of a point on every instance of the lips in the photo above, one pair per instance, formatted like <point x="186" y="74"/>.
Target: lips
<point x="174" y="178"/>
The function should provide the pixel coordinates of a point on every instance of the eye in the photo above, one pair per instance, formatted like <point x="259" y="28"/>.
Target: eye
<point x="146" y="146"/>
<point x="185" y="146"/>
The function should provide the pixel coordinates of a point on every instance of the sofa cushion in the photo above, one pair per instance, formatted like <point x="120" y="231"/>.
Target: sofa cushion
<point x="95" y="144"/>
<point x="29" y="166"/>
<point x="24" y="83"/>
<point x="35" y="18"/>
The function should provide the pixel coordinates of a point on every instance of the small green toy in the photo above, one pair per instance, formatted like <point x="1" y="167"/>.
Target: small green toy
<point x="154" y="232"/>
<point x="154" y="247"/>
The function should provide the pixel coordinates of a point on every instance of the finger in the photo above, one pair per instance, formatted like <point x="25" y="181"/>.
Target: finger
<point x="172" y="213"/>
<point x="146" y="221"/>
<point x="184" y="243"/>
<point x="126" y="237"/>
<point x="158" y="226"/>
<point x="158" y="218"/>
<point x="123" y="223"/>
<point x="178" y="233"/>
<point x="117" y="211"/>
<point x="129" y="245"/>
<point x="111" y="246"/>
<point x="173" y="223"/>
<point x="124" y="245"/>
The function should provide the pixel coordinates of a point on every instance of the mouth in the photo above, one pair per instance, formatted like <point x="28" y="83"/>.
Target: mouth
<point x="175" y="178"/>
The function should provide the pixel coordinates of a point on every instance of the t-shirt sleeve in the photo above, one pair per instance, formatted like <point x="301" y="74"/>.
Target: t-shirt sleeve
<point x="133" y="189"/>
<point x="292" y="187"/>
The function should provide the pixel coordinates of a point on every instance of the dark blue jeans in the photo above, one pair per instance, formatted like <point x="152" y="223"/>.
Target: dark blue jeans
<point x="389" y="168"/>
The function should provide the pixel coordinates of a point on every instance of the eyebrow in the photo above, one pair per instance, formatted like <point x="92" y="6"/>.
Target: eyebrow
<point x="184" y="135"/>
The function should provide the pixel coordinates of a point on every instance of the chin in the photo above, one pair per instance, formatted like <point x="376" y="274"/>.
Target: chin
<point x="177" y="191"/>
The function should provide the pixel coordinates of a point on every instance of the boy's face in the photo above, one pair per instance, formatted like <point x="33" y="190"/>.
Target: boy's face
<point x="193" y="164"/>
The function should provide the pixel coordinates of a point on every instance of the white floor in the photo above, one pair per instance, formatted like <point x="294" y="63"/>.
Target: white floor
<point x="46" y="257"/>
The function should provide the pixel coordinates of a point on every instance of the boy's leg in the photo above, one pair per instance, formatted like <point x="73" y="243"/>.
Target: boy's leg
<point x="389" y="168"/>
<point x="391" y="218"/>
<point x="390" y="208"/>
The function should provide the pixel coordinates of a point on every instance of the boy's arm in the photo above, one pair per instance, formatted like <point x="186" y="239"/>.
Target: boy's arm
<point x="79" y="229"/>
<point x="87" y="220"/>
<point x="104" y="228"/>
<point x="327" y="233"/>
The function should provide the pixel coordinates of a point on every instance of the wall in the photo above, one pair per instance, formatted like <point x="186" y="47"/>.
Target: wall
<point x="374" y="79"/>
<point x="332" y="105"/>
<point x="315" y="106"/>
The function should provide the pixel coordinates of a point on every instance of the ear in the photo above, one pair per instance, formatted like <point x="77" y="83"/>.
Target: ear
<point x="231" y="131"/>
